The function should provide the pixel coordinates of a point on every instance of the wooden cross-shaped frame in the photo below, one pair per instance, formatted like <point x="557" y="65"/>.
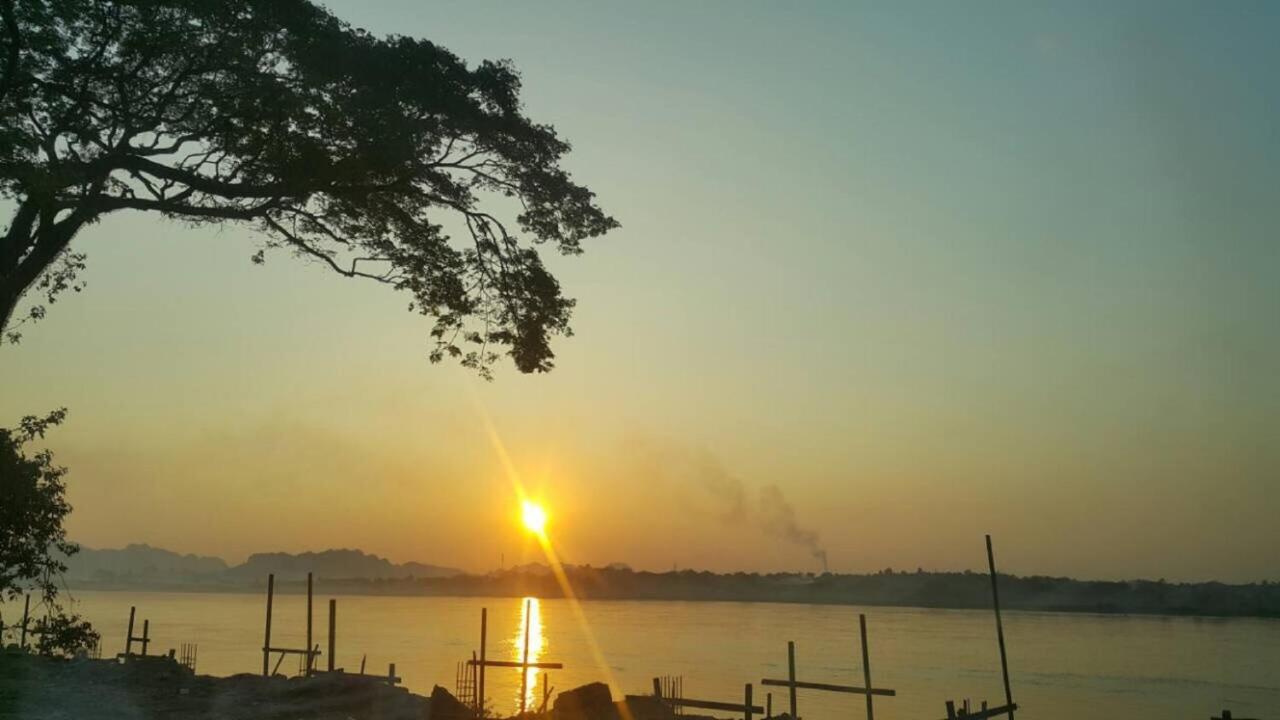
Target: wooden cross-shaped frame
<point x="792" y="684"/>
<point x="524" y="664"/>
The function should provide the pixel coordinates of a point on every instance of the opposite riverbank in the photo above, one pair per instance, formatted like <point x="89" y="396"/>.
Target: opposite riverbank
<point x="921" y="589"/>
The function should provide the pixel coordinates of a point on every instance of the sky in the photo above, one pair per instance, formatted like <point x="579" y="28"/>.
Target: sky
<point x="890" y="276"/>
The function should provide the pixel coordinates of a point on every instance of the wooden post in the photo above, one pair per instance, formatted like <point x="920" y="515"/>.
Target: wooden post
<point x="266" y="643"/>
<point x="866" y="663"/>
<point x="146" y="636"/>
<point x="362" y="659"/>
<point x="391" y="674"/>
<point x="333" y="624"/>
<point x="308" y="645"/>
<point x="951" y="710"/>
<point x="26" y="613"/>
<point x="657" y="688"/>
<point x="995" y="601"/>
<point x="128" y="639"/>
<point x="746" y="713"/>
<point x="791" y="675"/>
<point x="524" y="666"/>
<point x="484" y="626"/>
<point x="768" y="706"/>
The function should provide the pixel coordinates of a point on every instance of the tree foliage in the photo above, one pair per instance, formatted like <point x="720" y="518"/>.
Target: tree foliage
<point x="388" y="159"/>
<point x="35" y="504"/>
<point x="33" y="541"/>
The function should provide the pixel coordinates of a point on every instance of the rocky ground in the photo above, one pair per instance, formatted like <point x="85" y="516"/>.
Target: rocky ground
<point x="35" y="688"/>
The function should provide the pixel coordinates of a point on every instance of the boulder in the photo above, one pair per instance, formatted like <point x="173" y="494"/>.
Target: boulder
<point x="589" y="702"/>
<point x="444" y="706"/>
<point x="648" y="707"/>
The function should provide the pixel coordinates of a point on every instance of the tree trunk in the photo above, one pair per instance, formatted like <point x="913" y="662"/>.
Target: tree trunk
<point x="8" y="303"/>
<point x="32" y="243"/>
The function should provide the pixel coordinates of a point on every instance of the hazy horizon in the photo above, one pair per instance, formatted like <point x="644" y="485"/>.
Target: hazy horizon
<point x="889" y="278"/>
<point x="446" y="563"/>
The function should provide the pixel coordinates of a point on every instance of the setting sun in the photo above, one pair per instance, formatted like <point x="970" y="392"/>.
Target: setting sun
<point x="533" y="516"/>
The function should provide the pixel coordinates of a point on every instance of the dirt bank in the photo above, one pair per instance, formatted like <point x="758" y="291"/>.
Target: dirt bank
<point x="34" y="688"/>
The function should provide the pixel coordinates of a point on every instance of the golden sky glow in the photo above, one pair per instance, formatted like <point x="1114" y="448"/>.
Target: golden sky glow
<point x="926" y="272"/>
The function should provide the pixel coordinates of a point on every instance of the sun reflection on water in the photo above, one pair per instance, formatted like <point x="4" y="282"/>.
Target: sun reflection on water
<point x="531" y="617"/>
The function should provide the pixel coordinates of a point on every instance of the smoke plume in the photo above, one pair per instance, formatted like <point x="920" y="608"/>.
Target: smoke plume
<point x="778" y="518"/>
<point x="733" y="502"/>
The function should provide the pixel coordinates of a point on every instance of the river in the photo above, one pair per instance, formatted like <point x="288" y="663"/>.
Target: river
<point x="1062" y="665"/>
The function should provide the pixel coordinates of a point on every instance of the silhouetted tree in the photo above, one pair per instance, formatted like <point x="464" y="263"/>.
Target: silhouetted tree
<point x="364" y="154"/>
<point x="33" y="542"/>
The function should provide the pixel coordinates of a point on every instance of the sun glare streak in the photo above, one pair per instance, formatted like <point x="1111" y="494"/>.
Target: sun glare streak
<point x="553" y="559"/>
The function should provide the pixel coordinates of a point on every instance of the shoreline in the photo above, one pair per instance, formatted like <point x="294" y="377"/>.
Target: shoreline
<point x="33" y="687"/>
<point x="345" y="587"/>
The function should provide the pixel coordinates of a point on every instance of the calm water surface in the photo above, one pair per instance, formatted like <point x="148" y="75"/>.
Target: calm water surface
<point x="1063" y="666"/>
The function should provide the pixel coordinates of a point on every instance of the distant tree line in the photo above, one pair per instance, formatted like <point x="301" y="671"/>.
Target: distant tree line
<point x="908" y="589"/>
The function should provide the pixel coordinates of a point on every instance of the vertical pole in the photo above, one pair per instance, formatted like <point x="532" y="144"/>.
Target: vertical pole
<point x="266" y="642"/>
<point x="484" y="626"/>
<point x="333" y="625"/>
<point x="768" y="706"/>
<point x="146" y="635"/>
<point x="308" y="645"/>
<point x="866" y="663"/>
<point x="657" y="688"/>
<point x="26" y="613"/>
<point x="746" y="713"/>
<point x="391" y="674"/>
<point x="128" y="640"/>
<point x="951" y="710"/>
<point x="524" y="664"/>
<point x="995" y="601"/>
<point x="791" y="674"/>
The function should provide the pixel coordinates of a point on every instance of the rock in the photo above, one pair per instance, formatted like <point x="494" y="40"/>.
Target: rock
<point x="444" y="706"/>
<point x="648" y="707"/>
<point x="589" y="702"/>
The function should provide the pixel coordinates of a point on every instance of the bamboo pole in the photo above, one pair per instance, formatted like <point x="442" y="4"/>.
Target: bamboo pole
<point x="791" y="675"/>
<point x="524" y="670"/>
<point x="333" y="626"/>
<point x="266" y="642"/>
<point x="128" y="638"/>
<point x="995" y="601"/>
<point x="866" y="663"/>
<point x="484" y="626"/>
<point x="26" y="613"/>
<point x="308" y="645"/>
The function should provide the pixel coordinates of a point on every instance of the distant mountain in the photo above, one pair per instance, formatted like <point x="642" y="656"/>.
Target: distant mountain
<point x="141" y="564"/>
<point x="334" y="565"/>
<point x="532" y="568"/>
